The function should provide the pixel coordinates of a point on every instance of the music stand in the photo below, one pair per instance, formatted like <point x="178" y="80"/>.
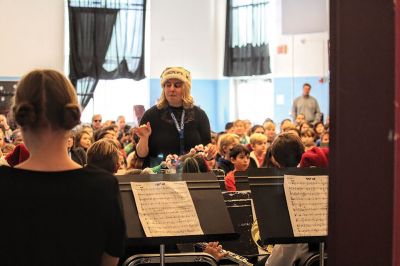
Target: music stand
<point x="208" y="201"/>
<point x="266" y="185"/>
<point x="239" y="207"/>
<point x="241" y="180"/>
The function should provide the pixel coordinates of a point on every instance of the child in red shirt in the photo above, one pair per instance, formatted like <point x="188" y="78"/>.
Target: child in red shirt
<point x="240" y="158"/>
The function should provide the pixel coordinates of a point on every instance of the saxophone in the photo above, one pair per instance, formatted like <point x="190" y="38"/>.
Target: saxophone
<point x="242" y="261"/>
<point x="255" y="235"/>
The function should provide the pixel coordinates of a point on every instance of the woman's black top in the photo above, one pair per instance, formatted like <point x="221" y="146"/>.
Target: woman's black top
<point x="164" y="138"/>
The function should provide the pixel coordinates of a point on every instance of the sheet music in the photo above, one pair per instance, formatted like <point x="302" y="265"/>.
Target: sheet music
<point x="166" y="208"/>
<point x="307" y="200"/>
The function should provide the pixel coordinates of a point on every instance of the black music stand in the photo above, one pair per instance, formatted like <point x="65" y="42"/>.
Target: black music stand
<point x="266" y="185"/>
<point x="239" y="207"/>
<point x="208" y="201"/>
<point x="241" y="180"/>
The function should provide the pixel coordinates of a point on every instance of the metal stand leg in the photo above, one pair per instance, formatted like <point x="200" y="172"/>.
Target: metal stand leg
<point x="321" y="254"/>
<point x="162" y="254"/>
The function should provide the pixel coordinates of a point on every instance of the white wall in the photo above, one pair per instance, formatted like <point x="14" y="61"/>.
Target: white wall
<point x="31" y="36"/>
<point x="307" y="55"/>
<point x="307" y="50"/>
<point x="183" y="33"/>
<point x="304" y="16"/>
<point x="190" y="33"/>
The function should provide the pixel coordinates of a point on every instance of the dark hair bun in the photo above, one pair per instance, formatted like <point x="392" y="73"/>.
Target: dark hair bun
<point x="25" y="114"/>
<point x="71" y="116"/>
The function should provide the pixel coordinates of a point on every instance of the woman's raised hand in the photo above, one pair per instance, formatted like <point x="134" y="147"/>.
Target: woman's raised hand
<point x="144" y="130"/>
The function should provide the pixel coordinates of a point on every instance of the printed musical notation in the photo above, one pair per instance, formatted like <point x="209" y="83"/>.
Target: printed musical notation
<point x="307" y="200"/>
<point x="166" y="208"/>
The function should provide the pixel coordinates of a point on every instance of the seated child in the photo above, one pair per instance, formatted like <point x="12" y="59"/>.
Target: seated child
<point x="286" y="150"/>
<point x="269" y="131"/>
<point x="257" y="129"/>
<point x="195" y="164"/>
<point x="286" y="123"/>
<point x="308" y="138"/>
<point x="324" y="141"/>
<point x="240" y="130"/>
<point x="258" y="143"/>
<point x="239" y="156"/>
<point x="300" y="118"/>
<point x="225" y="143"/>
<point x="77" y="154"/>
<point x="104" y="154"/>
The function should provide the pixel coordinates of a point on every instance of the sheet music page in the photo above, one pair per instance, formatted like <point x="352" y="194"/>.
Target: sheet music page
<point x="307" y="200"/>
<point x="166" y="208"/>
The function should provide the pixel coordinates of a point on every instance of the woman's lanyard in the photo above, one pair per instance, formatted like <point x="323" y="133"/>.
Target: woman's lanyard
<point x="180" y="130"/>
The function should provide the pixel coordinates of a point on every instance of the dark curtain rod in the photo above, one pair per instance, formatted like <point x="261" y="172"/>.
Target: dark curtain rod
<point x="113" y="5"/>
<point x="255" y="5"/>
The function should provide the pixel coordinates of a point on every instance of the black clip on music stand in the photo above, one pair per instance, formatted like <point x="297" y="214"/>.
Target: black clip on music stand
<point x="207" y="198"/>
<point x="266" y="185"/>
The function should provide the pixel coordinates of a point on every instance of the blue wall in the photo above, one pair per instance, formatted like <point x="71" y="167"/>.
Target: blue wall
<point x="213" y="97"/>
<point x="283" y="86"/>
<point x="5" y="78"/>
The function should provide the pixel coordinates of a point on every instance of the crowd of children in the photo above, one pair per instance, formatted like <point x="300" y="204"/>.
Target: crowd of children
<point x="254" y="140"/>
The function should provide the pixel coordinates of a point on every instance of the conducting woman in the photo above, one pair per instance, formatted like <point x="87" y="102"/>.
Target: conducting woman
<point x="54" y="212"/>
<point x="174" y="125"/>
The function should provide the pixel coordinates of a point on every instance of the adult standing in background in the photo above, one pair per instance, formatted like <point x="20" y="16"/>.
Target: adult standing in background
<point x="306" y="105"/>
<point x="174" y="125"/>
<point x="54" y="212"/>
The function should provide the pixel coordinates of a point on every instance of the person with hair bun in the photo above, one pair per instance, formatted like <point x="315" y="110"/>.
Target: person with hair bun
<point x="54" y="212"/>
<point x="175" y="124"/>
<point x="286" y="150"/>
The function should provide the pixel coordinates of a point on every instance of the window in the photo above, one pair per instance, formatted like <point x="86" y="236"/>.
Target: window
<point x="246" y="43"/>
<point x="109" y="78"/>
<point x="254" y="100"/>
<point x="117" y="97"/>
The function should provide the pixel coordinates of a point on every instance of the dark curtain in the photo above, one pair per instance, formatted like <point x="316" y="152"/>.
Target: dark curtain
<point x="246" y="47"/>
<point x="90" y="31"/>
<point x="85" y="89"/>
<point x="106" y="42"/>
<point x="125" y="55"/>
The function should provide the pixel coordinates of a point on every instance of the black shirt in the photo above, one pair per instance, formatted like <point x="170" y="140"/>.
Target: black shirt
<point x="164" y="138"/>
<point x="59" y="218"/>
